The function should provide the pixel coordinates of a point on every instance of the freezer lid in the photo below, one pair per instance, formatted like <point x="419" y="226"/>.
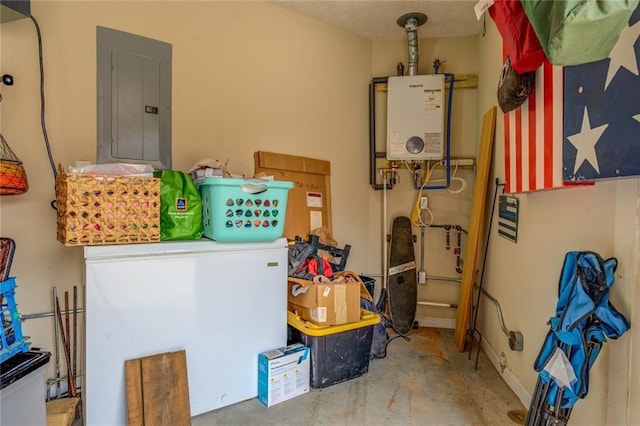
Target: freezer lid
<point x="176" y="247"/>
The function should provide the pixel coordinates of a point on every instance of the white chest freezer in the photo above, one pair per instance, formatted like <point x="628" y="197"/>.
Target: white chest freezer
<point x="223" y="303"/>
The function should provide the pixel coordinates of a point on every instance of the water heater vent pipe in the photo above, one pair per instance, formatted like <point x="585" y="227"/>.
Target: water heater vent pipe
<point x="410" y="22"/>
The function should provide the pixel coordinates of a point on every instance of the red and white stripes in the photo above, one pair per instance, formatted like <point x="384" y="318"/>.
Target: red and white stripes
<point x="533" y="135"/>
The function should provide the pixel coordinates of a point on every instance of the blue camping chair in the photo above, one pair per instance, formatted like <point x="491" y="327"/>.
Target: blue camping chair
<point x="584" y="319"/>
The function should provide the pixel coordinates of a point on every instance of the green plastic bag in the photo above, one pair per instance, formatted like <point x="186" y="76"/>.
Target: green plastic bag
<point x="574" y="32"/>
<point x="180" y="206"/>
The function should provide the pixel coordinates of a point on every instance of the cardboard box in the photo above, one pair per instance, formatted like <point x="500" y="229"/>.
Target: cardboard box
<point x="309" y="205"/>
<point x="325" y="304"/>
<point x="283" y="373"/>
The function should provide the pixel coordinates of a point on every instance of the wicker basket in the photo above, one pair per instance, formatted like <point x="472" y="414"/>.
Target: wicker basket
<point x="106" y="209"/>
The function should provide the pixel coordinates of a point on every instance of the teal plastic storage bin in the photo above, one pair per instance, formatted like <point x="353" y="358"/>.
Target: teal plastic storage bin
<point x="243" y="210"/>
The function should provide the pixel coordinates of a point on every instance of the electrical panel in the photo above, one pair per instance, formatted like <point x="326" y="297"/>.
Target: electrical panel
<point x="415" y="117"/>
<point x="134" y="99"/>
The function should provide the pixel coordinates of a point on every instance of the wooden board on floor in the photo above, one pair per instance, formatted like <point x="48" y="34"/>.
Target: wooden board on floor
<point x="158" y="390"/>
<point x="476" y="223"/>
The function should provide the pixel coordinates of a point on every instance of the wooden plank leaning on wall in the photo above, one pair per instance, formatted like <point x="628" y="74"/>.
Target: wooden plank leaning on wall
<point x="476" y="223"/>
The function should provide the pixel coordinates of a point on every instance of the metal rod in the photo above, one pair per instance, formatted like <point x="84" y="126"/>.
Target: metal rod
<point x="535" y="400"/>
<point x="458" y="251"/>
<point x="504" y="328"/>
<point x="67" y="325"/>
<point x="55" y="333"/>
<point x="543" y="402"/>
<point x="385" y="254"/>
<point x="438" y="278"/>
<point x="442" y="305"/>
<point x="450" y="226"/>
<point x="74" y="358"/>
<point x="478" y="350"/>
<point x="422" y="247"/>
<point x="556" y="408"/>
<point x="25" y="317"/>
<point x="484" y="263"/>
<point x="381" y="305"/>
<point x="469" y="355"/>
<point x="372" y="135"/>
<point x="447" y="236"/>
<point x="448" y="148"/>
<point x="67" y="355"/>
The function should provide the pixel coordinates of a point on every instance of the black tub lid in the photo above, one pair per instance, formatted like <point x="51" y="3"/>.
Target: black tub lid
<point x="22" y="364"/>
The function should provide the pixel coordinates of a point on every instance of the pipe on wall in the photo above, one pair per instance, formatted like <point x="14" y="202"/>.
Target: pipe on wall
<point x="410" y="22"/>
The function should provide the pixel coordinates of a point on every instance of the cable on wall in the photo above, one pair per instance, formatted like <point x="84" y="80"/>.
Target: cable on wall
<point x="42" y="115"/>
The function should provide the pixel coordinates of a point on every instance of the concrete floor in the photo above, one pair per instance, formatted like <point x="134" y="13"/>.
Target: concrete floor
<point x="424" y="381"/>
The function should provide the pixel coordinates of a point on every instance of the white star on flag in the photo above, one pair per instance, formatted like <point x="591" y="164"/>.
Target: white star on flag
<point x="623" y="54"/>
<point x="585" y="143"/>
<point x="637" y="117"/>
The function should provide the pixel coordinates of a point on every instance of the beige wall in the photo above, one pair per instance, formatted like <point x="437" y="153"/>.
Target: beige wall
<point x="250" y="76"/>
<point x="247" y="76"/>
<point x="524" y="276"/>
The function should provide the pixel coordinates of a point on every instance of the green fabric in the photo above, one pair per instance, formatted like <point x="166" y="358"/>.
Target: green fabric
<point x="574" y="32"/>
<point x="180" y="207"/>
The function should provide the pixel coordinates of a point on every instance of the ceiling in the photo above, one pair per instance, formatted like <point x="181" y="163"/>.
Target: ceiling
<point x="377" y="19"/>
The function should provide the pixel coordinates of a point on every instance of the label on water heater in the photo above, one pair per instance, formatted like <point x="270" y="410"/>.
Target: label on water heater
<point x="396" y="146"/>
<point x="432" y="99"/>
<point x="432" y="143"/>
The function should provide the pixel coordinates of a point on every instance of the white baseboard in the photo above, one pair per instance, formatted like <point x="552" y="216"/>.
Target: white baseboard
<point x="507" y="376"/>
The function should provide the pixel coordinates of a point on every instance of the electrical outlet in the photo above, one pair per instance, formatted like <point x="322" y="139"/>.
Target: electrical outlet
<point x="424" y="203"/>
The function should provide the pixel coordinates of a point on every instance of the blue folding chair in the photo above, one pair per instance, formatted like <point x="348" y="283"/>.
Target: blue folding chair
<point x="584" y="319"/>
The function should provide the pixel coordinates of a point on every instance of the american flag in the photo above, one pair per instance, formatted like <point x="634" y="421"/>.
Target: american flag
<point x="533" y="136"/>
<point x="602" y="113"/>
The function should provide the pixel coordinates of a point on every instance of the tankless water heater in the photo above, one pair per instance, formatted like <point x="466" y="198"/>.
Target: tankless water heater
<point x="415" y="117"/>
